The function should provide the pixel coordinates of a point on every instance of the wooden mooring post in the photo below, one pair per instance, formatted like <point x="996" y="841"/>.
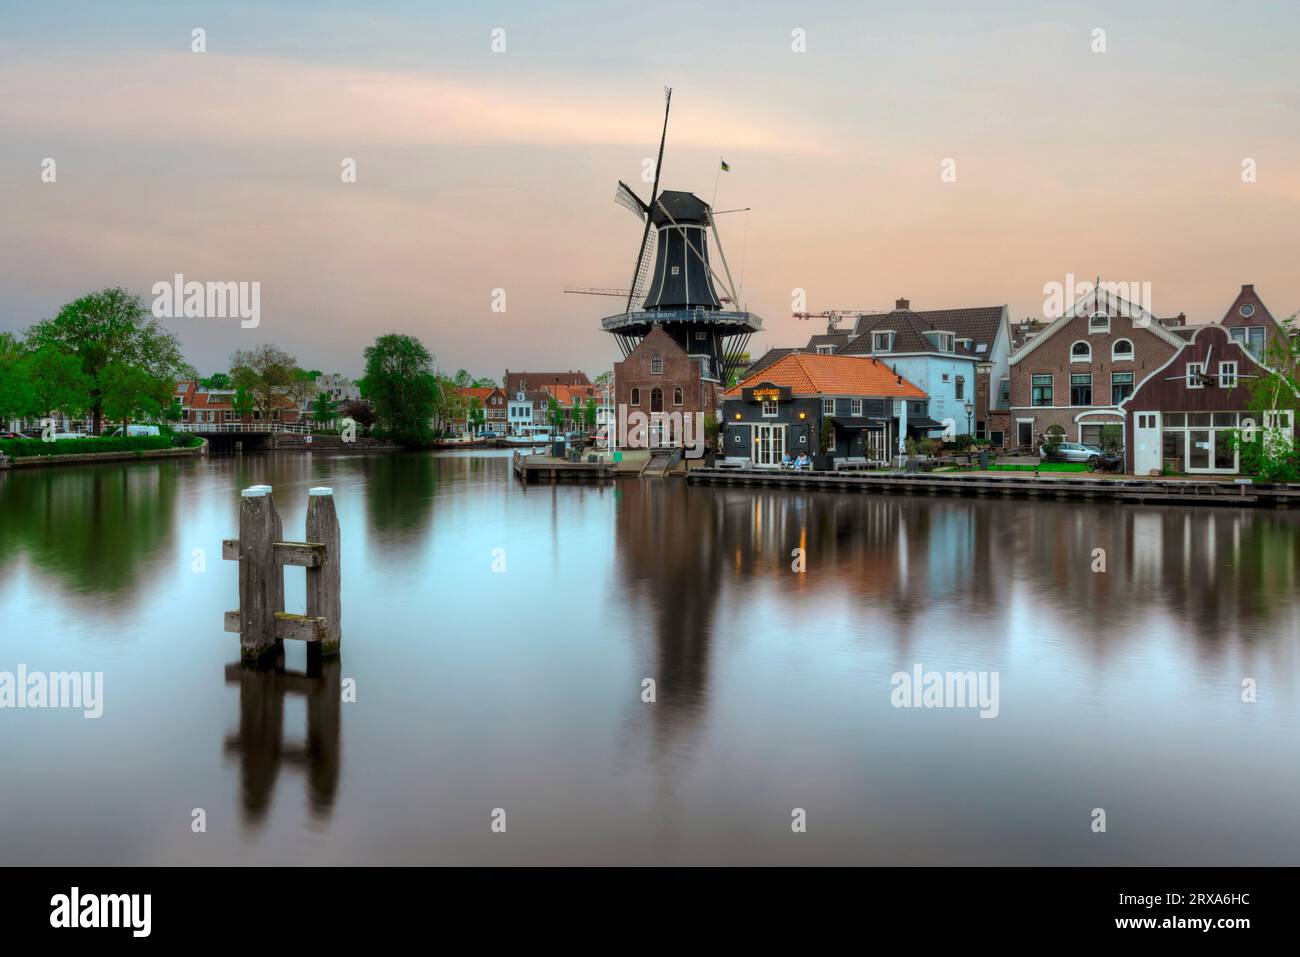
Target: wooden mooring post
<point x="260" y="620"/>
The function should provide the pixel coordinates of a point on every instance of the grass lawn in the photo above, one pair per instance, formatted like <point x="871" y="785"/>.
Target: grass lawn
<point x="1044" y="467"/>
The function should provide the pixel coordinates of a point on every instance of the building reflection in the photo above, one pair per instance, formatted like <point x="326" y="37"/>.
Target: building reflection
<point x="260" y="745"/>
<point x="891" y="562"/>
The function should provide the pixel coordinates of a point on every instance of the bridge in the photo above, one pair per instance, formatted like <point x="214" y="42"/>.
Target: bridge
<point x="236" y="436"/>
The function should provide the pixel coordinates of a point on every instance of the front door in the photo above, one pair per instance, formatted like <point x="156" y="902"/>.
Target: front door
<point x="769" y="444"/>
<point x="1146" y="443"/>
<point x="1200" y="450"/>
<point x="1025" y="433"/>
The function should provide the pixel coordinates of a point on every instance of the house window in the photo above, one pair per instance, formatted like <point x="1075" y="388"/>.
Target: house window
<point x="1247" y="310"/>
<point x="1099" y="323"/>
<point x="676" y="270"/>
<point x="1121" y="351"/>
<point x="1081" y="352"/>
<point x="1121" y="386"/>
<point x="825" y="350"/>
<point x="944" y="341"/>
<point x="1081" y="389"/>
<point x="677" y="396"/>
<point x="882" y="341"/>
<point x="1251" y="338"/>
<point x="1227" y="375"/>
<point x="769" y="408"/>
<point x="855" y="407"/>
<point x="960" y="389"/>
<point x="828" y="406"/>
<point x="1040" y="387"/>
<point x="701" y="335"/>
<point x="1194" y="373"/>
<point x="657" y="365"/>
<point x="1004" y="393"/>
<point x="636" y="397"/>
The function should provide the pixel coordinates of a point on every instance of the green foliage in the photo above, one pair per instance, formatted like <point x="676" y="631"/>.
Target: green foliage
<point x="1052" y="441"/>
<point x="27" y="448"/>
<point x="1112" y="438"/>
<point x="554" y="414"/>
<point x="827" y="438"/>
<point x="400" y="383"/>
<point x="269" y="376"/>
<point x="589" y="417"/>
<point x="112" y="326"/>
<point x="476" y="416"/>
<point x="324" y="409"/>
<point x="218" y="380"/>
<point x="1273" y="460"/>
<point x="129" y="392"/>
<point x="15" y="385"/>
<point x="241" y="403"/>
<point x="56" y="382"/>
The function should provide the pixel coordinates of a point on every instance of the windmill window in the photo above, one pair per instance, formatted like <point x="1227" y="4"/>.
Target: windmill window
<point x="656" y="399"/>
<point x="1081" y="352"/>
<point x="657" y="365"/>
<point x="636" y="397"/>
<point x="676" y="270"/>
<point x="678" y="396"/>
<point x="701" y="335"/>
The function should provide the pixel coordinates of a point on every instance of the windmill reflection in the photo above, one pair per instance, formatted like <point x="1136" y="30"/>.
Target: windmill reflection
<point x="260" y="744"/>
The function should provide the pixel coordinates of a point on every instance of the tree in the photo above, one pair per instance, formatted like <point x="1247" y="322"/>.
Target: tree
<point x="361" y="412"/>
<point x="554" y="414"/>
<point x="111" y="326"/>
<point x="218" y="380"/>
<point x="324" y="410"/>
<point x="129" y="392"/>
<point x="58" y="386"/>
<point x="268" y="374"/>
<point x="242" y="403"/>
<point x="606" y="378"/>
<point x="475" y="415"/>
<point x="400" y="382"/>
<point x="589" y="415"/>
<point x="15" y="385"/>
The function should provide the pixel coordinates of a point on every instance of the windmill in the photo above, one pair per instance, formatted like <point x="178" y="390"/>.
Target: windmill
<point x="674" y="283"/>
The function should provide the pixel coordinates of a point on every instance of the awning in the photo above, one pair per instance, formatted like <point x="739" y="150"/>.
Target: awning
<point x="857" y="422"/>
<point x="925" y="425"/>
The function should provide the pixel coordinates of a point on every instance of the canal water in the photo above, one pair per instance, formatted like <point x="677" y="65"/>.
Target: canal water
<point x="498" y="639"/>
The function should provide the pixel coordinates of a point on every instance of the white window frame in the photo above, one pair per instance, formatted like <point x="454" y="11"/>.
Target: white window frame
<point x="656" y="365"/>
<point x="826" y="350"/>
<point x="771" y="408"/>
<point x="1093" y="328"/>
<point x="828" y="406"/>
<point x="1114" y="357"/>
<point x="1087" y="345"/>
<point x="888" y="346"/>
<point x="1192" y="379"/>
<point x="855" y="408"/>
<point x="1228" y="375"/>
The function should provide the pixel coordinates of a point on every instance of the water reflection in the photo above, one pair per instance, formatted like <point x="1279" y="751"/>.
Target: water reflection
<point x="260" y="743"/>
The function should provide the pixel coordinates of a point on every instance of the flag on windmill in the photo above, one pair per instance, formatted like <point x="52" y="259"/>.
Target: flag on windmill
<point x="726" y="167"/>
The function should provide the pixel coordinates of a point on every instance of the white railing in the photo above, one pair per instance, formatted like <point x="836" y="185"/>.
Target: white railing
<point x="293" y="429"/>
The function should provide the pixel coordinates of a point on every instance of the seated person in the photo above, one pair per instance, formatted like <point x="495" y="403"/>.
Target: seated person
<point x="786" y="461"/>
<point x="803" y="462"/>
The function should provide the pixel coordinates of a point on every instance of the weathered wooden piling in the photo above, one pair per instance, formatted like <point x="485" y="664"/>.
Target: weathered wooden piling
<point x="323" y="581"/>
<point x="261" y="585"/>
<point x="261" y="620"/>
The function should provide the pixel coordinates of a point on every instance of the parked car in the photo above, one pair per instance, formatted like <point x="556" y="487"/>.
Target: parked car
<point x="1070" y="452"/>
<point x="11" y="435"/>
<point x="134" y="431"/>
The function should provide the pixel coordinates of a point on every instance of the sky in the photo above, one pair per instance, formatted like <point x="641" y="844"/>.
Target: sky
<point x="480" y="170"/>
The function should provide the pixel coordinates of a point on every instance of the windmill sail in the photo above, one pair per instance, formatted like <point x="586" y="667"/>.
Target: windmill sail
<point x="630" y="201"/>
<point x="654" y="193"/>
<point x="643" y="269"/>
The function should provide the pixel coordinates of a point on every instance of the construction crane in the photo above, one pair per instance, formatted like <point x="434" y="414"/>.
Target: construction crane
<point x="833" y="316"/>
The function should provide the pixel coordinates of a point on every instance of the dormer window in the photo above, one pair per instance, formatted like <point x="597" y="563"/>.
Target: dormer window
<point x="1100" y="322"/>
<point x="825" y="350"/>
<point x="943" y="341"/>
<point x="882" y="341"/>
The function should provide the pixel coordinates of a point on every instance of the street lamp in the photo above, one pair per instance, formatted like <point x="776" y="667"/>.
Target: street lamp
<point x="970" y="408"/>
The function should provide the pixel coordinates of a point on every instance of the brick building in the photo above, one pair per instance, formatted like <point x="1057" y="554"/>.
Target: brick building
<point x="658" y="376"/>
<point x="1075" y="372"/>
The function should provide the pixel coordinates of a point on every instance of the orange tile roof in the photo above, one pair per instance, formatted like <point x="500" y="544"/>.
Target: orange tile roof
<point x="813" y="374"/>
<point x="476" y="392"/>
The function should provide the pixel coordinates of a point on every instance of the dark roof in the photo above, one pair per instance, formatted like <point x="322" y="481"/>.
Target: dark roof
<point x="533" y="380"/>
<point x="837" y="339"/>
<point x="979" y="324"/>
<point x="766" y="359"/>
<point x="683" y="207"/>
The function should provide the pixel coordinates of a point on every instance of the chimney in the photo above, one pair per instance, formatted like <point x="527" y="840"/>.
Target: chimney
<point x="1247" y="287"/>
<point x="902" y="305"/>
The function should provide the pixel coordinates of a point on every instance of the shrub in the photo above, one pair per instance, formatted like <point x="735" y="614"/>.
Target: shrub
<point x="29" y="448"/>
